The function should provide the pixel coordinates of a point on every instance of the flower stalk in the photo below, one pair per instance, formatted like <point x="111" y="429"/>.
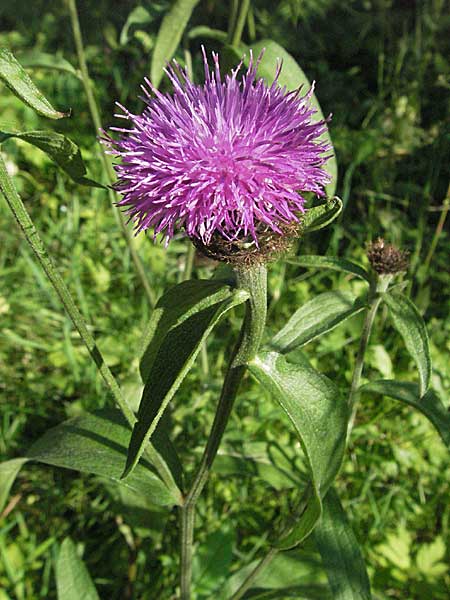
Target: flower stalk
<point x="253" y="280"/>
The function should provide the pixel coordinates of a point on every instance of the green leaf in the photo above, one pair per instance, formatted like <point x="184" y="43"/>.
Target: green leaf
<point x="73" y="581"/>
<point x="183" y="319"/>
<point x="292" y="76"/>
<point x="169" y="36"/>
<point x="16" y="79"/>
<point x="203" y="31"/>
<point x="59" y="148"/>
<point x="97" y="443"/>
<point x="315" y="407"/>
<point x="329" y="262"/>
<point x="40" y="60"/>
<point x="138" y="16"/>
<point x="321" y="216"/>
<point x="321" y="314"/>
<point x="410" y="325"/>
<point x="8" y="473"/>
<point x="212" y="561"/>
<point x="429" y="405"/>
<point x="340" y="552"/>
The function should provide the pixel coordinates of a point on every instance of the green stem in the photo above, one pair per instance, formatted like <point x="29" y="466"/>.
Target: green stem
<point x="232" y="19"/>
<point x="108" y="168"/>
<point x="33" y="238"/>
<point x="374" y="300"/>
<point x="240" y="22"/>
<point x="254" y="280"/>
<point x="250" y="579"/>
<point x="437" y="232"/>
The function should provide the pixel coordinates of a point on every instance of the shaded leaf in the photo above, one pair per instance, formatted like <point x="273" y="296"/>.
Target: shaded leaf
<point x="138" y="16"/>
<point x="329" y="262"/>
<point x="292" y="76"/>
<point x="73" y="581"/>
<point x="429" y="405"/>
<point x="315" y="407"/>
<point x="410" y="325"/>
<point x="212" y="561"/>
<point x="60" y="149"/>
<point x="169" y="36"/>
<point x="321" y="216"/>
<point x="8" y="473"/>
<point x="340" y="552"/>
<point x="183" y="318"/>
<point x="321" y="314"/>
<point x="41" y="60"/>
<point x="17" y="80"/>
<point x="97" y="443"/>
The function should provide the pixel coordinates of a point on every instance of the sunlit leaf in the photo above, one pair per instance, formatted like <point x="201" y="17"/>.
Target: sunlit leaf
<point x="321" y="314"/>
<point x="340" y="552"/>
<point x="73" y="581"/>
<point x="169" y="36"/>
<point x="429" y="405"/>
<point x="182" y="320"/>
<point x="315" y="407"/>
<point x="410" y="325"/>
<point x="15" y="77"/>
<point x="329" y="262"/>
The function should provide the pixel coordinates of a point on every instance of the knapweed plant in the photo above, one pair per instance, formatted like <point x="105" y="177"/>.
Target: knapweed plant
<point x="242" y="167"/>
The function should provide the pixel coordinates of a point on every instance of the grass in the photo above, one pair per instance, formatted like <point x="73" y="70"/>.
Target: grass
<point x="382" y="71"/>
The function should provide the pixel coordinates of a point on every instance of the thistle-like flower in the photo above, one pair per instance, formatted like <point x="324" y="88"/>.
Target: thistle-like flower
<point x="226" y="160"/>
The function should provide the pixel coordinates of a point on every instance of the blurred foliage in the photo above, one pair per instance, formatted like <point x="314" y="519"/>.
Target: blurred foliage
<point x="382" y="69"/>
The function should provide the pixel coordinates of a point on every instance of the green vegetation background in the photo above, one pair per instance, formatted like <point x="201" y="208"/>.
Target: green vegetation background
<point x="382" y="69"/>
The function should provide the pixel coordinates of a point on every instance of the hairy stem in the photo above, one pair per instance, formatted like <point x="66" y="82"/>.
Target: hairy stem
<point x="109" y="171"/>
<point x="37" y="245"/>
<point x="250" y="579"/>
<point x="253" y="280"/>
<point x="374" y="301"/>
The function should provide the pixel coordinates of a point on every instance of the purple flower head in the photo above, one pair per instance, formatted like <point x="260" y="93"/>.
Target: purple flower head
<point x="227" y="157"/>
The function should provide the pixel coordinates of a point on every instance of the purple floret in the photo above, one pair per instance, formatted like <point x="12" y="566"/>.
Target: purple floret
<point x="219" y="158"/>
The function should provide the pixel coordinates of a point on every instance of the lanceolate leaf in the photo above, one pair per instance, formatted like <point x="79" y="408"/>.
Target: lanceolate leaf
<point x="97" y="443"/>
<point x="315" y="407"/>
<point x="175" y="340"/>
<point x="429" y="405"/>
<point x="292" y="76"/>
<point x="73" y="581"/>
<point x="329" y="262"/>
<point x="340" y="552"/>
<point x="169" y="36"/>
<point x="8" y="473"/>
<point x="319" y="315"/>
<point x="59" y="148"/>
<point x="40" y="60"/>
<point x="321" y="216"/>
<point x="13" y="75"/>
<point x="409" y="323"/>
